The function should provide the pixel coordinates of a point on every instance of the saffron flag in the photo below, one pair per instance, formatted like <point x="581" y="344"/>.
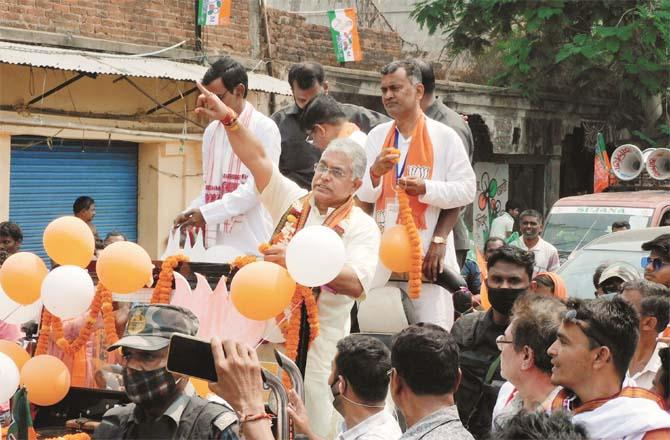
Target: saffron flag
<point x="213" y="12"/>
<point x="601" y="166"/>
<point x="344" y="31"/>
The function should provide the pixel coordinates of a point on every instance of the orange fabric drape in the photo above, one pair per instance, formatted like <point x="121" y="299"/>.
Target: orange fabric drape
<point x="420" y="158"/>
<point x="560" y="290"/>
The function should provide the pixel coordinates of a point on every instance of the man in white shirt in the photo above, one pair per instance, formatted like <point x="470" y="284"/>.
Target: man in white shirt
<point x="503" y="225"/>
<point x="589" y="358"/>
<point x="546" y="255"/>
<point x="432" y="167"/>
<point x="228" y="206"/>
<point x="359" y="381"/>
<point x="524" y="361"/>
<point x="652" y="303"/>
<point x="337" y="176"/>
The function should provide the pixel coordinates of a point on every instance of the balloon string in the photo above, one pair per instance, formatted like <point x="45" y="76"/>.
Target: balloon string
<point x="11" y="313"/>
<point x="286" y="316"/>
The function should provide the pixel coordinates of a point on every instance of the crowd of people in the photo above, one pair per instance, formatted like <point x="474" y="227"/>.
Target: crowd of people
<point x="518" y="358"/>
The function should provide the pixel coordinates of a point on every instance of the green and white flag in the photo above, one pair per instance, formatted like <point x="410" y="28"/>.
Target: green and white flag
<point x="344" y="30"/>
<point x="213" y="12"/>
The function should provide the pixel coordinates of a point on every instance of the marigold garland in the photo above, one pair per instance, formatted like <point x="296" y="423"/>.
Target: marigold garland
<point x="290" y="328"/>
<point x="102" y="302"/>
<point x="77" y="436"/>
<point x="162" y="292"/>
<point x="301" y="295"/>
<point x="405" y="218"/>
<point x="243" y="260"/>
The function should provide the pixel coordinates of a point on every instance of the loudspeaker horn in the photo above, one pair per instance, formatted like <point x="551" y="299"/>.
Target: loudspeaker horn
<point x="658" y="163"/>
<point x="627" y="162"/>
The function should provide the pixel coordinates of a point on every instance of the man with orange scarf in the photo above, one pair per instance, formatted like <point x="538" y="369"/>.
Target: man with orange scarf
<point x="427" y="160"/>
<point x="336" y="178"/>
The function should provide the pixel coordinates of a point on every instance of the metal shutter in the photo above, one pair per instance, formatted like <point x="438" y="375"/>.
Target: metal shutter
<point x="46" y="179"/>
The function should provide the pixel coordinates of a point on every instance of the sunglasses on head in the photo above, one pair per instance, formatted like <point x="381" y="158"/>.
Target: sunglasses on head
<point x="588" y="330"/>
<point x="657" y="263"/>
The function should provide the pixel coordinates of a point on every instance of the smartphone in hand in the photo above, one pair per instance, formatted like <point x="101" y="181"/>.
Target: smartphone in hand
<point x="191" y="356"/>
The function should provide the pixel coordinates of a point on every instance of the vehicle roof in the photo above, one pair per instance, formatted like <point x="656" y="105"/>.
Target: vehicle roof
<point x="630" y="240"/>
<point x="644" y="199"/>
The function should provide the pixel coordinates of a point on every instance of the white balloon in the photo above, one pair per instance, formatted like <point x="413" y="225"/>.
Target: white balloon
<point x="14" y="313"/>
<point x="315" y="256"/>
<point x="220" y="254"/>
<point x="9" y="378"/>
<point x="67" y="291"/>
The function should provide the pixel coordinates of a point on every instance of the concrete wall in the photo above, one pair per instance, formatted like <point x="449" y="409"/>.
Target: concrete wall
<point x="5" y="155"/>
<point x="169" y="177"/>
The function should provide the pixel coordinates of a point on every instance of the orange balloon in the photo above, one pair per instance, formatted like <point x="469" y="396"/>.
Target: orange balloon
<point x="47" y="379"/>
<point x="69" y="240"/>
<point x="21" y="277"/>
<point x="261" y="290"/>
<point x="395" y="250"/>
<point x="15" y="352"/>
<point x="124" y="267"/>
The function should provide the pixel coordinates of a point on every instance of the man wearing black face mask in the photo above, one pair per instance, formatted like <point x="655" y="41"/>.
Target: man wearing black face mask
<point x="510" y="272"/>
<point x="162" y="405"/>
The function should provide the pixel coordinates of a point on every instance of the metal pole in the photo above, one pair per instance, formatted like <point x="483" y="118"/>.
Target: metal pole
<point x="198" y="28"/>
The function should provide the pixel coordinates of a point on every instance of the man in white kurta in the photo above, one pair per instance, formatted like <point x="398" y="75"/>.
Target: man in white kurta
<point x="451" y="185"/>
<point x="228" y="205"/>
<point x="337" y="177"/>
<point x="361" y="242"/>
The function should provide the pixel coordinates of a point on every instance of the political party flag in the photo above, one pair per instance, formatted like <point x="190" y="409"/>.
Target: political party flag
<point x="214" y="12"/>
<point x="22" y="422"/>
<point x="344" y="31"/>
<point x="601" y="166"/>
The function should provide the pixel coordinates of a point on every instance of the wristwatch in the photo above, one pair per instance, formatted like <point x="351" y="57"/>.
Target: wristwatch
<point x="438" y="240"/>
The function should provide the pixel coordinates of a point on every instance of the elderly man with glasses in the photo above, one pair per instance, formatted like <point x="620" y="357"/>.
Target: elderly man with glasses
<point x="524" y="361"/>
<point x="590" y="357"/>
<point x="337" y="176"/>
<point x="657" y="265"/>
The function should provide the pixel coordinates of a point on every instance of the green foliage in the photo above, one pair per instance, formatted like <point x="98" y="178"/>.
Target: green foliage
<point x="614" y="48"/>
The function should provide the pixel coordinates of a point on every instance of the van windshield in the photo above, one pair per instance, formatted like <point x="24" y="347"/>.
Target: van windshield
<point x="571" y="227"/>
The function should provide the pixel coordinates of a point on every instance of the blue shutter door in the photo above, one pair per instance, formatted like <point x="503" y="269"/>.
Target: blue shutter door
<point x="45" y="181"/>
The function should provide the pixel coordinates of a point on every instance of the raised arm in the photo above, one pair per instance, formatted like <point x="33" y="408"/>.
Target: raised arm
<point x="245" y="145"/>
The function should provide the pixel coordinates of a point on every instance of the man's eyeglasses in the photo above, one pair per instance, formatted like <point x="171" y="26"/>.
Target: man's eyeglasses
<point x="222" y="95"/>
<point x="323" y="169"/>
<point x="501" y="341"/>
<point x="656" y="262"/>
<point x="310" y="134"/>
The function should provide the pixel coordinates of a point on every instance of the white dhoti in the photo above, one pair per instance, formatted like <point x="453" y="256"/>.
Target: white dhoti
<point x="361" y="242"/>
